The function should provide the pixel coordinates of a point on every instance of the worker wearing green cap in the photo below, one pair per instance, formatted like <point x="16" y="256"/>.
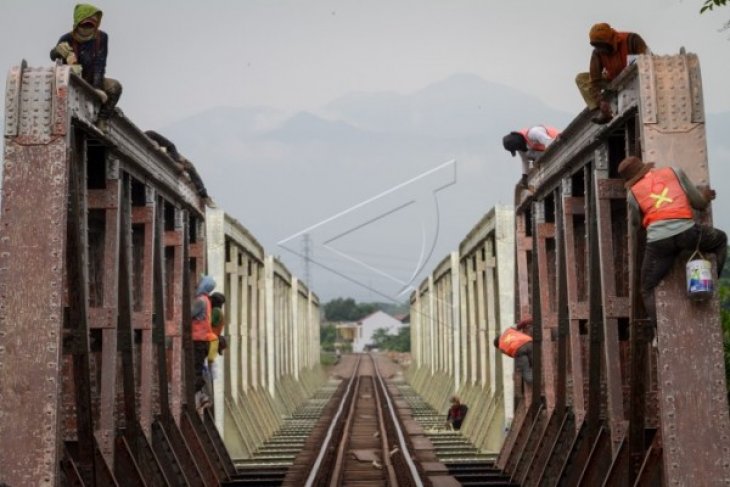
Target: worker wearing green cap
<point x="85" y="49"/>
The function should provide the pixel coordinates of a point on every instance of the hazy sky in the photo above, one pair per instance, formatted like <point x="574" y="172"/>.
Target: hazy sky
<point x="179" y="58"/>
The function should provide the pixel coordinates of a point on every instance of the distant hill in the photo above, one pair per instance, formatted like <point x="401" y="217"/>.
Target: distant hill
<point x="460" y="106"/>
<point x="279" y="174"/>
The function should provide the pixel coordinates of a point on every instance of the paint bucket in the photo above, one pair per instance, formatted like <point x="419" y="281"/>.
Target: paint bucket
<point x="700" y="284"/>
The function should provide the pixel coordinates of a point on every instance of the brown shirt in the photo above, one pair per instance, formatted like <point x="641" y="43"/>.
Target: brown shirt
<point x="636" y="45"/>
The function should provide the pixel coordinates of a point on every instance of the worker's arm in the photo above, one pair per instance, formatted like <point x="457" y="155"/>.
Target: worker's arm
<point x="636" y="44"/>
<point x="199" y="309"/>
<point x="62" y="48"/>
<point x="699" y="199"/>
<point x="99" y="67"/>
<point x="634" y="210"/>
<point x="525" y="161"/>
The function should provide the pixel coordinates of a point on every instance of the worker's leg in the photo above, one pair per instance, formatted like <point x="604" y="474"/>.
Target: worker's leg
<point x="213" y="351"/>
<point x="583" y="81"/>
<point x="522" y="363"/>
<point x="709" y="239"/>
<point x="658" y="259"/>
<point x="113" y="90"/>
<point x="200" y="353"/>
<point x="528" y="351"/>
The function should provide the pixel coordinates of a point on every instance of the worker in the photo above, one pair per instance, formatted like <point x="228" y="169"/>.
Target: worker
<point x="217" y="300"/>
<point x="85" y="49"/>
<point x="184" y="165"/>
<point x="530" y="143"/>
<point x="457" y="413"/>
<point x="203" y="335"/>
<point x="665" y="199"/>
<point x="518" y="345"/>
<point x="610" y="56"/>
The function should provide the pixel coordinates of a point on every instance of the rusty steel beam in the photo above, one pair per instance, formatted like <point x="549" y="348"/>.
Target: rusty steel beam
<point x="599" y="460"/>
<point x="534" y="437"/>
<point x="184" y="453"/>
<point x="537" y="328"/>
<point x="217" y="442"/>
<point x="651" y="473"/>
<point x="173" y="468"/>
<point x="618" y="472"/>
<point x="545" y="231"/>
<point x="78" y="300"/>
<point x="541" y="450"/>
<point x="124" y="323"/>
<point x="126" y="470"/>
<point x="187" y="333"/>
<point x="197" y="449"/>
<point x="209" y="446"/>
<point x="559" y="451"/>
<point x="577" y="308"/>
<point x="30" y="371"/>
<point x="692" y="394"/>
<point x="608" y="263"/>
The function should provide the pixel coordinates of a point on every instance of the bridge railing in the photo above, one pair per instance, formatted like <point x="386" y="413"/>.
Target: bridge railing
<point x="613" y="406"/>
<point x="102" y="239"/>
<point x="455" y="315"/>
<point x="272" y="329"/>
<point x="608" y="403"/>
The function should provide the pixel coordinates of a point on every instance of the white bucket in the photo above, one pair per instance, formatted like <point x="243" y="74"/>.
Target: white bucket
<point x="700" y="284"/>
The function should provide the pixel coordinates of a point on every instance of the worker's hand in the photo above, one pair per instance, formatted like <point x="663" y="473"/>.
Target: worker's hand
<point x="102" y="94"/>
<point x="64" y="49"/>
<point x="708" y="194"/>
<point x="71" y="59"/>
<point x="76" y="69"/>
<point x="605" y="107"/>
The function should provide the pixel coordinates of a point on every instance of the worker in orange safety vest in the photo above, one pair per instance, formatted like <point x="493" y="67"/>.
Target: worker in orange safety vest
<point x="518" y="345"/>
<point x="664" y="198"/>
<point x="530" y="143"/>
<point x="203" y="335"/>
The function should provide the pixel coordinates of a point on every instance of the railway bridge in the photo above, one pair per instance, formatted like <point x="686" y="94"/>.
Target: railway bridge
<point x="103" y="235"/>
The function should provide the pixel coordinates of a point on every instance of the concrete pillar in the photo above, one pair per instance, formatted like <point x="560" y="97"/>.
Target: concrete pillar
<point x="505" y="258"/>
<point x="270" y="306"/>
<point x="456" y="319"/>
<point x="245" y="359"/>
<point x="432" y="324"/>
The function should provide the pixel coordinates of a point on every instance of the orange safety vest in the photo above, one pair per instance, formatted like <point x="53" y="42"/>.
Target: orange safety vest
<point x="661" y="197"/>
<point x="511" y="341"/>
<point x="551" y="131"/>
<point x="202" y="331"/>
<point x="615" y="62"/>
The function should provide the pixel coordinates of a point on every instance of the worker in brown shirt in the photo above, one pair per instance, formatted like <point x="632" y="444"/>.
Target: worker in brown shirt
<point x="609" y="58"/>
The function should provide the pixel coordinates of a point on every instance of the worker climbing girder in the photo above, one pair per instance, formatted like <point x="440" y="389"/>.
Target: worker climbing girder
<point x="613" y="406"/>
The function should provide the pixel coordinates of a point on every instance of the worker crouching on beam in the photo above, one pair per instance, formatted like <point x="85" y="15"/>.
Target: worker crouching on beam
<point x="610" y="56"/>
<point x="85" y="49"/>
<point x="664" y="198"/>
<point x="529" y="143"/>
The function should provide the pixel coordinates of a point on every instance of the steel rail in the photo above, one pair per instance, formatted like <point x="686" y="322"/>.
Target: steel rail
<point x="387" y="461"/>
<point x="344" y="436"/>
<point x="328" y="438"/>
<point x="415" y="475"/>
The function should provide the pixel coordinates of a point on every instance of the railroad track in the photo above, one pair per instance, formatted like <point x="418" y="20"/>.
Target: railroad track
<point x="361" y="443"/>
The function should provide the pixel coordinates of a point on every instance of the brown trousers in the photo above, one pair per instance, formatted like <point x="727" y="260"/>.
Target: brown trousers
<point x="113" y="90"/>
<point x="583" y="81"/>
